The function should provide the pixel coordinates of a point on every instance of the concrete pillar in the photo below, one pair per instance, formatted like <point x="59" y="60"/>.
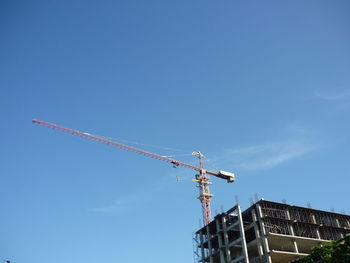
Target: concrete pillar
<point x="202" y="247"/>
<point x="295" y="246"/>
<point x="291" y="229"/>
<point x="337" y="222"/>
<point x="241" y="229"/>
<point x="220" y="241"/>
<point x="263" y="236"/>
<point x="211" y="260"/>
<point x="338" y="225"/>
<point x="257" y="235"/>
<point x="224" y="228"/>
<point x="315" y="222"/>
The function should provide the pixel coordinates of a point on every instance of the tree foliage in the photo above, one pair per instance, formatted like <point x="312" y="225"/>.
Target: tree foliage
<point x="334" y="252"/>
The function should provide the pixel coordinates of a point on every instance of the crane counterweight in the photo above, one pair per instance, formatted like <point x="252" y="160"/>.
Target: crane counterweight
<point x="230" y="177"/>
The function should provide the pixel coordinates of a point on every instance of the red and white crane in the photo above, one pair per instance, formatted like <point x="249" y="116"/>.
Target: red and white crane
<point x="201" y="177"/>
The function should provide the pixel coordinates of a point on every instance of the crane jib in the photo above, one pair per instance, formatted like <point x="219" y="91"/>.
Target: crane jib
<point x="203" y="181"/>
<point x="221" y="174"/>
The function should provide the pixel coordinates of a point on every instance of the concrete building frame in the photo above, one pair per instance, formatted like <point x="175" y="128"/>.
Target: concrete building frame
<point x="267" y="232"/>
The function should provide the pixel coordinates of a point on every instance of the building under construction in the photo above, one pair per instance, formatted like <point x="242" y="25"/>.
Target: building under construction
<point x="267" y="232"/>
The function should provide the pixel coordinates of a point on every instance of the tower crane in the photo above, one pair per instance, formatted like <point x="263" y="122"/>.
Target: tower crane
<point x="202" y="176"/>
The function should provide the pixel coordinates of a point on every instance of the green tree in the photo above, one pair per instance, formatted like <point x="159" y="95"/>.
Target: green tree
<point x="334" y="252"/>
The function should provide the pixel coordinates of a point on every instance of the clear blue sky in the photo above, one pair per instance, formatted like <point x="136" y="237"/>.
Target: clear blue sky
<point x="260" y="87"/>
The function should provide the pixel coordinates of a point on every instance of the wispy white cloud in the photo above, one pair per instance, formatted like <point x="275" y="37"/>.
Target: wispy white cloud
<point x="343" y="107"/>
<point x="339" y="100"/>
<point x="269" y="154"/>
<point x="120" y="204"/>
<point x="125" y="201"/>
<point x="333" y="96"/>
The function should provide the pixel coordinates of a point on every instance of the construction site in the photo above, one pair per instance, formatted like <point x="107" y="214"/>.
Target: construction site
<point x="266" y="232"/>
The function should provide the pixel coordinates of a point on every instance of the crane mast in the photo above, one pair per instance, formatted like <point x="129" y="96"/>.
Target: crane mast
<point x="204" y="190"/>
<point x="202" y="176"/>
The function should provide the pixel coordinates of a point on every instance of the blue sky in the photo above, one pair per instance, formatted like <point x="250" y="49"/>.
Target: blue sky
<point x="262" y="88"/>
